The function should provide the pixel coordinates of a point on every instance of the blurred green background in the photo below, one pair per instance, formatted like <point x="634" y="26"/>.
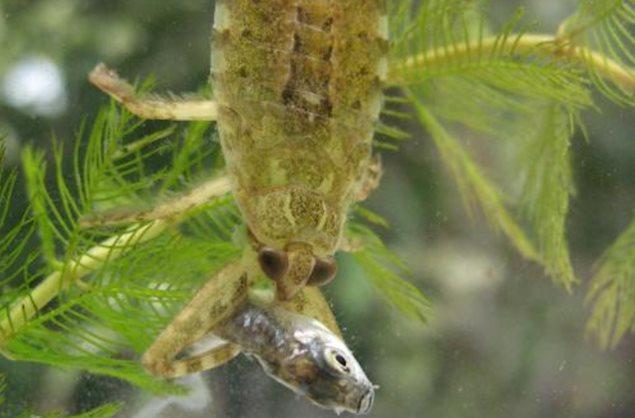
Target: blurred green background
<point x="505" y="342"/>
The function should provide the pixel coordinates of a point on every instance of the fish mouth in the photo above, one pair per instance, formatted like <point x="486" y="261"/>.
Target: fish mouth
<point x="366" y="402"/>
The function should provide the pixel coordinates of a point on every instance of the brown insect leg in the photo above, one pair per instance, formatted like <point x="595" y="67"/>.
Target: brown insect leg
<point x="366" y="185"/>
<point x="151" y="107"/>
<point x="201" y="362"/>
<point x="172" y="208"/>
<point x="368" y="182"/>
<point x="214" y="303"/>
<point x="350" y="245"/>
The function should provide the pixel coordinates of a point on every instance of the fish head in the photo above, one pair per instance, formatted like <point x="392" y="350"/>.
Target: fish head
<point x="322" y="368"/>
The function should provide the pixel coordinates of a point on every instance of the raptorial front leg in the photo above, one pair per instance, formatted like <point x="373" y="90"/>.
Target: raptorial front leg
<point x="205" y="361"/>
<point x="170" y="209"/>
<point x="311" y="302"/>
<point x="150" y="106"/>
<point x="214" y="303"/>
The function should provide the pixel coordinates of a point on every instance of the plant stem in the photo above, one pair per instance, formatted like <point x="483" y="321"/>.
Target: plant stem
<point x="539" y="43"/>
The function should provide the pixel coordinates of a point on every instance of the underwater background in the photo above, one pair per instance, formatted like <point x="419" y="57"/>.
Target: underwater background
<point x="505" y="341"/>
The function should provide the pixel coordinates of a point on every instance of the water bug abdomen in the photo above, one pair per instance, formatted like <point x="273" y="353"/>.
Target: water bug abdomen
<point x="299" y="88"/>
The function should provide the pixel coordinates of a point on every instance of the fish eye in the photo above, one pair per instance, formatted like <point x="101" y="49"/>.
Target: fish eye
<point x="323" y="272"/>
<point x="274" y="263"/>
<point x="337" y="360"/>
<point x="340" y="359"/>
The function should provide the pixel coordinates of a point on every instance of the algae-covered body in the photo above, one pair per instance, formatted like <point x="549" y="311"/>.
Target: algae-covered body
<point x="298" y="84"/>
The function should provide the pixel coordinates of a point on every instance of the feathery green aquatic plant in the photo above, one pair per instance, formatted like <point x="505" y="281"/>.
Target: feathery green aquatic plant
<point x="84" y="296"/>
<point x="516" y="85"/>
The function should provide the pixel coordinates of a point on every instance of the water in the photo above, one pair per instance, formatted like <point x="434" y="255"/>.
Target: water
<point x="504" y="342"/>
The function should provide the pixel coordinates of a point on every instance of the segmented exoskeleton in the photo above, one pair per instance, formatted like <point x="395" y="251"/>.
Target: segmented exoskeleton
<point x="298" y="85"/>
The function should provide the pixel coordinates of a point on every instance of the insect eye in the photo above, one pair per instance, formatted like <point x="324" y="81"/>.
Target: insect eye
<point x="323" y="272"/>
<point x="273" y="263"/>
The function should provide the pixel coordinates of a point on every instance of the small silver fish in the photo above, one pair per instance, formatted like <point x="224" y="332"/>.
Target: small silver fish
<point x="302" y="354"/>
